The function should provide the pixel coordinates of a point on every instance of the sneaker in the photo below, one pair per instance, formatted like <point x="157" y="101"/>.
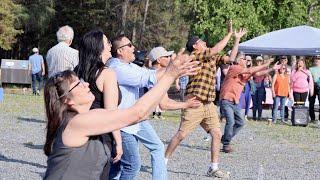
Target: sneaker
<point x="227" y="149"/>
<point x="246" y="118"/>
<point x="38" y="92"/>
<point x="218" y="173"/>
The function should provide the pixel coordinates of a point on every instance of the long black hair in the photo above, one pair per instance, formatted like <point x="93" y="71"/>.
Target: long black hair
<point x="55" y="92"/>
<point x="90" y="60"/>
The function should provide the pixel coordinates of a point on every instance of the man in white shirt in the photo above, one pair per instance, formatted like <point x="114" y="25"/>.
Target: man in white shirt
<point x="61" y="57"/>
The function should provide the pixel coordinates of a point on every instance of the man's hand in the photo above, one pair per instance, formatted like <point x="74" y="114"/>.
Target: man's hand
<point x="193" y="103"/>
<point x="240" y="33"/>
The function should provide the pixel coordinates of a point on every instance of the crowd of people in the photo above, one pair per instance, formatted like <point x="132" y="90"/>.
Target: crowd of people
<point x="98" y="101"/>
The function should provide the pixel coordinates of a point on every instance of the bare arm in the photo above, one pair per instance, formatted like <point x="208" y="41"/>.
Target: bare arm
<point x="110" y="100"/>
<point x="170" y="104"/>
<point x="235" y="47"/>
<point x="222" y="44"/>
<point x="43" y="68"/>
<point x="177" y="84"/>
<point x="272" y="85"/>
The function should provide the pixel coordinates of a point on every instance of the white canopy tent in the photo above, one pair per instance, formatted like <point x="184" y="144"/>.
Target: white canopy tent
<point x="300" y="41"/>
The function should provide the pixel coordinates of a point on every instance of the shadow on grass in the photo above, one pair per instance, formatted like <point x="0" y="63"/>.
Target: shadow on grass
<point x="31" y="120"/>
<point x="5" y="159"/>
<point x="32" y="146"/>
<point x="148" y="169"/>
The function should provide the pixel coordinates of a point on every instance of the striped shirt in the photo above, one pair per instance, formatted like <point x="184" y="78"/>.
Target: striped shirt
<point x="61" y="57"/>
<point x="202" y="84"/>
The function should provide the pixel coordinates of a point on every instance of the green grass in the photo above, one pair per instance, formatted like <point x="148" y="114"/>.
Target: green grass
<point x="22" y="105"/>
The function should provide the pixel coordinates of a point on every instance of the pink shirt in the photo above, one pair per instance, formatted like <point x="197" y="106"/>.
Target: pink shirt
<point x="234" y="83"/>
<point x="299" y="81"/>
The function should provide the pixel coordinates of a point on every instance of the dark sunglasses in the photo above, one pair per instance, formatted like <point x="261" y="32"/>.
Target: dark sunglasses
<point x="129" y="45"/>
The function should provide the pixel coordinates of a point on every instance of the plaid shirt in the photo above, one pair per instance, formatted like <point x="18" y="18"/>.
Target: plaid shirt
<point x="202" y="84"/>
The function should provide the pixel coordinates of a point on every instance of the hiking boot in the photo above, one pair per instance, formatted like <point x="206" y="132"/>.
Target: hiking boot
<point x="218" y="173"/>
<point x="227" y="149"/>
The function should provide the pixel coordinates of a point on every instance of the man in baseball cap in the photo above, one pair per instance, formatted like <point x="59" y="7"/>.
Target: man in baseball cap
<point x="160" y="57"/>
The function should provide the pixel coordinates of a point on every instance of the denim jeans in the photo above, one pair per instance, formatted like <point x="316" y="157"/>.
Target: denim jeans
<point x="234" y="120"/>
<point x="36" y="77"/>
<point x="276" y="101"/>
<point x="130" y="162"/>
<point x="257" y="99"/>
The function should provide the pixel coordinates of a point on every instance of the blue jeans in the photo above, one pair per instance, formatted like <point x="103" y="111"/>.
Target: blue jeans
<point x="36" y="77"/>
<point x="234" y="120"/>
<point x="276" y="101"/>
<point x="130" y="162"/>
<point x="257" y="98"/>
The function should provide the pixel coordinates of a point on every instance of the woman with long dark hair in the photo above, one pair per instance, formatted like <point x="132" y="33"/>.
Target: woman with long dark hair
<point x="74" y="145"/>
<point x="94" y="51"/>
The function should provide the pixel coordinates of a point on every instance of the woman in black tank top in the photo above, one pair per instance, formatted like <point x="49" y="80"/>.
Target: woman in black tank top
<point x="74" y="142"/>
<point x="94" y="51"/>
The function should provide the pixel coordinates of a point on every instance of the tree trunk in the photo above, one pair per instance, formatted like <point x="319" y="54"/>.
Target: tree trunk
<point x="124" y="15"/>
<point x="144" y="22"/>
<point x="134" y="30"/>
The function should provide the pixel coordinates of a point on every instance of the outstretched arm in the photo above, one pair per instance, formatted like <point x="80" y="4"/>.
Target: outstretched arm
<point x="235" y="47"/>
<point x="222" y="44"/>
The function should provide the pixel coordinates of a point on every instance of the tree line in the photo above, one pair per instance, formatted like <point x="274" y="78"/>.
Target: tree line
<point x="25" y="24"/>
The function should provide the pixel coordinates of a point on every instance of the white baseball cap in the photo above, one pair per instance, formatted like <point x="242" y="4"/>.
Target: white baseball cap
<point x="158" y="52"/>
<point x="35" y="50"/>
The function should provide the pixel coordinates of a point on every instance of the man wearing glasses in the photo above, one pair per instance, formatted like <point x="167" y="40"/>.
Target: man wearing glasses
<point x="131" y="78"/>
<point x="315" y="72"/>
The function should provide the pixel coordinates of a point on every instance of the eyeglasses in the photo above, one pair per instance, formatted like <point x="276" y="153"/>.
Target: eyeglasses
<point x="81" y="81"/>
<point x="129" y="45"/>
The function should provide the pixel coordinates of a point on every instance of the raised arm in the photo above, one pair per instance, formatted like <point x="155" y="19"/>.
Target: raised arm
<point x="235" y="47"/>
<point x="222" y="44"/>
<point x="100" y="121"/>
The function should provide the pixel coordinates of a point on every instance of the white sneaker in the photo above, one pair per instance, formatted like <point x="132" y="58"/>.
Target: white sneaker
<point x="218" y="173"/>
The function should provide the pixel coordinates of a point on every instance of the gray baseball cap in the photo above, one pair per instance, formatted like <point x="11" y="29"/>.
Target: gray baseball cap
<point x="158" y="52"/>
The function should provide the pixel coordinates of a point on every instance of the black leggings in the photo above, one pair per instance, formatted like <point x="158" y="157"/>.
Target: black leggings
<point x="300" y="97"/>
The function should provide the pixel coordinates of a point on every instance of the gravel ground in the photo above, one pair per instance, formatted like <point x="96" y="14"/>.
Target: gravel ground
<point x="262" y="152"/>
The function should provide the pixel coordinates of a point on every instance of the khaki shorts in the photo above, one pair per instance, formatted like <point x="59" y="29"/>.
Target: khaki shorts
<point x="206" y="115"/>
